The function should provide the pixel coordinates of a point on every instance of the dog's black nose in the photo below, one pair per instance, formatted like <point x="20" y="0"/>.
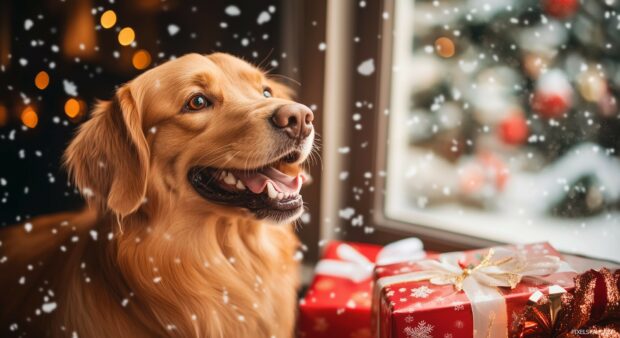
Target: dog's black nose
<point x="294" y="119"/>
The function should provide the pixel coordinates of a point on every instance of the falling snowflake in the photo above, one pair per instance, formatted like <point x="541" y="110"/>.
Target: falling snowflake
<point x="48" y="307"/>
<point x="421" y="292"/>
<point x="263" y="17"/>
<point x="69" y="87"/>
<point x="367" y="67"/>
<point x="423" y="330"/>
<point x="173" y="29"/>
<point x="232" y="10"/>
<point x="357" y="221"/>
<point x="346" y="213"/>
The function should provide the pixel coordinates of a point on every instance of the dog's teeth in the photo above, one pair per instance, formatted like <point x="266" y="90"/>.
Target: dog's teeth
<point x="230" y="179"/>
<point x="271" y="191"/>
<point x="280" y="196"/>
<point x="223" y="174"/>
<point x="240" y="185"/>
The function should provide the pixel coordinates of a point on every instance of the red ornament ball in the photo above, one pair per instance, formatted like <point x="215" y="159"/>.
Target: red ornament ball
<point x="513" y="129"/>
<point x="551" y="104"/>
<point x="561" y="9"/>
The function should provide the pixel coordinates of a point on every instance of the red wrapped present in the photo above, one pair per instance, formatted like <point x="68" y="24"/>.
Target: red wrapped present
<point x="463" y="294"/>
<point x="338" y="301"/>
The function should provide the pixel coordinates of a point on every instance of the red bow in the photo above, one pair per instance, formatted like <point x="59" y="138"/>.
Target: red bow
<point x="592" y="309"/>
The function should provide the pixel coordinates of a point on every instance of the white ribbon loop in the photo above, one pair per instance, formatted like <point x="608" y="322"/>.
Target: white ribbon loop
<point x="342" y="269"/>
<point x="353" y="265"/>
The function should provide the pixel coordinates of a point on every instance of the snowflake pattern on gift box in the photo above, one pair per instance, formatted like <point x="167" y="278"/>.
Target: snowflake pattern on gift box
<point x="409" y="319"/>
<point x="448" y="335"/>
<point x="421" y="292"/>
<point x="459" y="307"/>
<point x="320" y="324"/>
<point x="422" y="330"/>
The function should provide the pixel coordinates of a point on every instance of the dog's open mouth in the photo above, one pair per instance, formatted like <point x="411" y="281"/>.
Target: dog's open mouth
<point x="266" y="191"/>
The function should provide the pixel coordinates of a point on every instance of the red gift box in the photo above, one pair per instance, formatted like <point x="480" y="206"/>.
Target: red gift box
<point x="336" y="306"/>
<point x="463" y="294"/>
<point x="338" y="301"/>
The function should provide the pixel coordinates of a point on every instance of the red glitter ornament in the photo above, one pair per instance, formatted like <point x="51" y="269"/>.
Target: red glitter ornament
<point x="550" y="105"/>
<point x="561" y="9"/>
<point x="513" y="129"/>
<point x="553" y="94"/>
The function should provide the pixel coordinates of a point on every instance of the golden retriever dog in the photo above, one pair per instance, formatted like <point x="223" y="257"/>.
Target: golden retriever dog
<point x="192" y="173"/>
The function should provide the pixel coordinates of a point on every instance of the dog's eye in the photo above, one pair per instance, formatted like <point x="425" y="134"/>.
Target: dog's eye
<point x="267" y="92"/>
<point x="197" y="102"/>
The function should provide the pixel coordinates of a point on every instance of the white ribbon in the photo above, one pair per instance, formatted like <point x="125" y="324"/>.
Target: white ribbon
<point x="499" y="268"/>
<point x="353" y="265"/>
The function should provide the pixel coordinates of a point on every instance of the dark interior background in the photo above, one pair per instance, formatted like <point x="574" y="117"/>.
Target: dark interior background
<point x="32" y="180"/>
<point x="96" y="75"/>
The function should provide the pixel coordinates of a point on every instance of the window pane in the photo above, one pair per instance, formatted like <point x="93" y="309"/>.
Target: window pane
<point x="504" y="121"/>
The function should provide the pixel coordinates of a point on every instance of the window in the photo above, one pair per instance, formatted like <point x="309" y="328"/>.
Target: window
<point x="502" y="122"/>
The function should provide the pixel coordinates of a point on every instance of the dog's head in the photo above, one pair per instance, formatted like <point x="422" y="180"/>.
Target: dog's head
<point x="212" y="130"/>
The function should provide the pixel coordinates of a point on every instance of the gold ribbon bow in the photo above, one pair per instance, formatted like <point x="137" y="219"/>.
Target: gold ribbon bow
<point x="499" y="267"/>
<point x="511" y="277"/>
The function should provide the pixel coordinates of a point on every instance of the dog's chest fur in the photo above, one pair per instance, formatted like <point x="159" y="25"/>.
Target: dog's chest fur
<point x="225" y="277"/>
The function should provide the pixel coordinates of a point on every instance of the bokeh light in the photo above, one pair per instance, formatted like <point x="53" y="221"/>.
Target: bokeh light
<point x="108" y="19"/>
<point x="72" y="107"/>
<point x="591" y="85"/>
<point x="80" y="38"/>
<point x="126" y="36"/>
<point x="29" y="117"/>
<point x="445" y="47"/>
<point x="4" y="116"/>
<point x="141" y="59"/>
<point x="42" y="80"/>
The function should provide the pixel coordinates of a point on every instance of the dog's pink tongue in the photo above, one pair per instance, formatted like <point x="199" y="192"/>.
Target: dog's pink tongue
<point x="257" y="182"/>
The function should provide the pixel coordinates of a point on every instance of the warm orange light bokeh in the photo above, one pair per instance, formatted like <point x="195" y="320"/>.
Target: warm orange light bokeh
<point x="29" y="117"/>
<point x="80" y="38"/>
<point x="141" y="59"/>
<point x="445" y="47"/>
<point x="126" y="36"/>
<point x="4" y="116"/>
<point x="42" y="80"/>
<point x="108" y="19"/>
<point x="72" y="107"/>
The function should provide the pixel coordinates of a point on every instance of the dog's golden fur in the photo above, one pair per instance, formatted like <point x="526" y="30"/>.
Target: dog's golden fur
<point x="150" y="257"/>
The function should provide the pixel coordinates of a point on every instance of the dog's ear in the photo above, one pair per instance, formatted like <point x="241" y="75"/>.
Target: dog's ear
<point x="108" y="159"/>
